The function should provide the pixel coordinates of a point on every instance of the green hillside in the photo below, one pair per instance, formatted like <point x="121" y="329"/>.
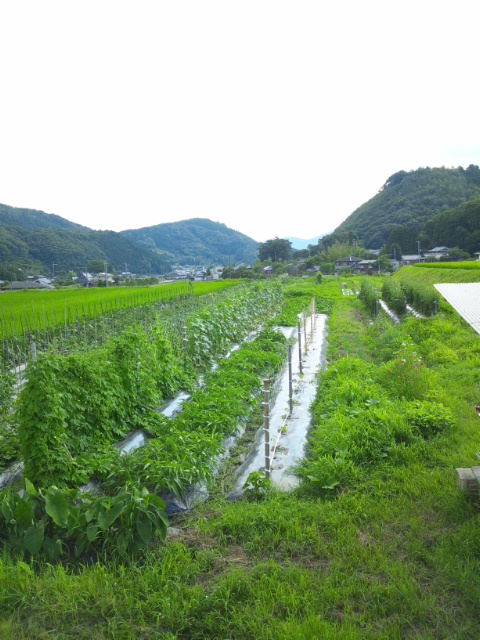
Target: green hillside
<point x="197" y="240"/>
<point x="34" y="219"/>
<point x="406" y="203"/>
<point x="36" y="251"/>
<point x="436" y="274"/>
<point x="458" y="227"/>
<point x="33" y="240"/>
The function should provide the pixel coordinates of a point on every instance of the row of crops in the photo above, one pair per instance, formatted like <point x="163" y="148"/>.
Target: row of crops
<point x="68" y="320"/>
<point x="398" y="294"/>
<point x="76" y="406"/>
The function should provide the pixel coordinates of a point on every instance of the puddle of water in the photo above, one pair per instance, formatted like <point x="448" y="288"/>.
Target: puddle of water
<point x="291" y="430"/>
<point x="393" y="317"/>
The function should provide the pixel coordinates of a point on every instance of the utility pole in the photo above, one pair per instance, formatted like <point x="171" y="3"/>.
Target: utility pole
<point x="418" y="245"/>
<point x="105" y="267"/>
<point x="54" y="264"/>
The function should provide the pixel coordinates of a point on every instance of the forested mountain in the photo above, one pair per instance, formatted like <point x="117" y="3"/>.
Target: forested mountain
<point x="197" y="240"/>
<point x="458" y="227"/>
<point x="407" y="201"/>
<point x="34" y="219"/>
<point x="33" y="241"/>
<point x="36" y="251"/>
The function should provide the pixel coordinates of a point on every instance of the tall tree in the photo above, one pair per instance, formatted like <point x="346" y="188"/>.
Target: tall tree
<point x="276" y="250"/>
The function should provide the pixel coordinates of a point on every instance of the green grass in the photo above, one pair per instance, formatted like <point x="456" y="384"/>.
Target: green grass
<point x="394" y="555"/>
<point x="435" y="274"/>
<point x="28" y="310"/>
<point x="449" y="265"/>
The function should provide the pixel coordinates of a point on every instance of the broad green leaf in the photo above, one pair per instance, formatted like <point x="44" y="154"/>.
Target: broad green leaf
<point x="107" y="518"/>
<point x="24" y="513"/>
<point x="144" y="528"/>
<point x="122" y="543"/>
<point x="92" y="531"/>
<point x="30" y="489"/>
<point x="161" y="526"/>
<point x="7" y="510"/>
<point x="89" y="513"/>
<point x="33" y="538"/>
<point x="56" y="506"/>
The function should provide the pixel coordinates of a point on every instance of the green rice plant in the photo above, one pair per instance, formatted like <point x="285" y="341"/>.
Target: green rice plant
<point x="471" y="265"/>
<point x="48" y="309"/>
<point x="431" y="273"/>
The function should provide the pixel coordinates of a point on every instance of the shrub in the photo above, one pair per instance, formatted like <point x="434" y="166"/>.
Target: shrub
<point x="421" y="297"/>
<point x="368" y="295"/>
<point x="428" y="418"/>
<point x="405" y="376"/>
<point x="393" y="296"/>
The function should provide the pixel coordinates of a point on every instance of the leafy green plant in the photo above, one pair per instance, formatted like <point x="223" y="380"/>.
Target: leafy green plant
<point x="394" y="297"/>
<point x="422" y="297"/>
<point x="257" y="486"/>
<point x="185" y="447"/>
<point x="56" y="522"/>
<point x="428" y="418"/>
<point x="368" y="295"/>
<point x="406" y="376"/>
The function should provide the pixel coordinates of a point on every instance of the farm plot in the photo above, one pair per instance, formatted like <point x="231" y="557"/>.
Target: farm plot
<point x="66" y="320"/>
<point x="73" y="408"/>
<point x="377" y="542"/>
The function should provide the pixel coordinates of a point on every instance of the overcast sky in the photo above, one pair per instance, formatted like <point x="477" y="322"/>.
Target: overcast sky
<point x="275" y="118"/>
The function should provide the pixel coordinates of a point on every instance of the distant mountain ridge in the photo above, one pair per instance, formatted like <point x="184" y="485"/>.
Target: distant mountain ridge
<point x="197" y="240"/>
<point x="35" y="241"/>
<point x="35" y="219"/>
<point x="302" y="243"/>
<point x="407" y="201"/>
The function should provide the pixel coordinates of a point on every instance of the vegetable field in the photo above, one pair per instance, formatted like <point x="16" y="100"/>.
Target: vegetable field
<point x="377" y="542"/>
<point x="68" y="319"/>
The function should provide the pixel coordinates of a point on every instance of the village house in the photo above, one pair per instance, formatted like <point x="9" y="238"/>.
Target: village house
<point x="84" y="278"/>
<point x="268" y="272"/>
<point x="350" y="262"/>
<point x="436" y="252"/>
<point x="411" y="259"/>
<point x="366" y="266"/>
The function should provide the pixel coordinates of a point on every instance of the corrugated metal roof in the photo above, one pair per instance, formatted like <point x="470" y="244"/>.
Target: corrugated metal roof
<point x="465" y="299"/>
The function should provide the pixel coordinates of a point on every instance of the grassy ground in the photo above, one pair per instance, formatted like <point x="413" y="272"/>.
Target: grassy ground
<point x="395" y="554"/>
